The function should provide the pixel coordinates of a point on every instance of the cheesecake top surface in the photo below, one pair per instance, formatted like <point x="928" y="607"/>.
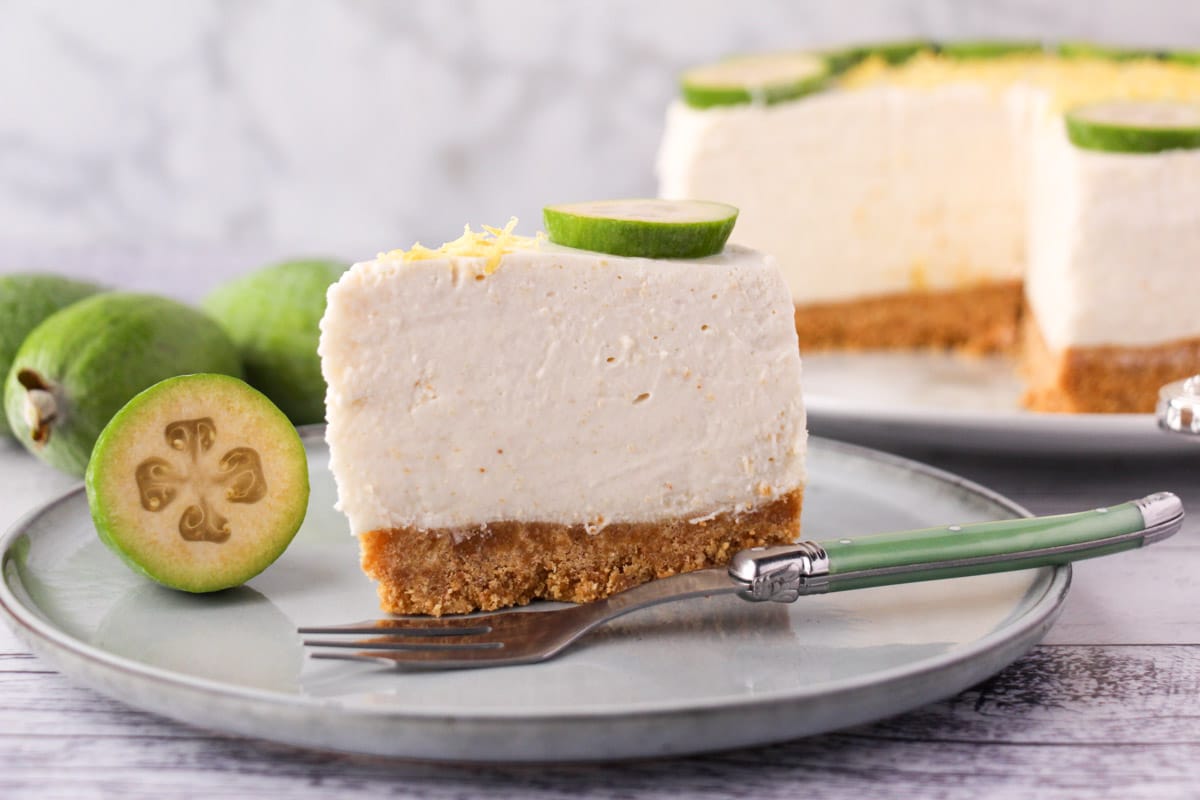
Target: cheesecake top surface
<point x="502" y="378"/>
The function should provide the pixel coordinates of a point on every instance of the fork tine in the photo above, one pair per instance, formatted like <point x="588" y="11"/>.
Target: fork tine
<point x="406" y="626"/>
<point x="399" y="644"/>
<point x="437" y="658"/>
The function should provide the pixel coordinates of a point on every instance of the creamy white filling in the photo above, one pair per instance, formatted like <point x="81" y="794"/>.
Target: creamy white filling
<point x="1114" y="241"/>
<point x="888" y="189"/>
<point x="567" y="387"/>
<point x="866" y="192"/>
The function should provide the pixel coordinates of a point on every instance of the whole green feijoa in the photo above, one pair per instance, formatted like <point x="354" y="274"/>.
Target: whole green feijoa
<point x="273" y="316"/>
<point x="81" y="364"/>
<point x="199" y="482"/>
<point x="25" y="300"/>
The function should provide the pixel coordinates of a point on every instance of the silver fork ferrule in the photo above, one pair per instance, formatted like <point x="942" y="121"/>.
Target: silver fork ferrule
<point x="781" y="574"/>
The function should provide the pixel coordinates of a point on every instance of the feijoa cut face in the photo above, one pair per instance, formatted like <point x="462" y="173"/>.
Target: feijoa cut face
<point x="199" y="482"/>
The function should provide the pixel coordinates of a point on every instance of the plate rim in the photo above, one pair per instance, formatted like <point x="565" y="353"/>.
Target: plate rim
<point x="49" y="639"/>
<point x="831" y="407"/>
<point x="1009" y="432"/>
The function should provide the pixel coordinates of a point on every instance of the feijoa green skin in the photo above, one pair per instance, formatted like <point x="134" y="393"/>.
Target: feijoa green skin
<point x="82" y="363"/>
<point x="273" y="316"/>
<point x="199" y="482"/>
<point x="26" y="300"/>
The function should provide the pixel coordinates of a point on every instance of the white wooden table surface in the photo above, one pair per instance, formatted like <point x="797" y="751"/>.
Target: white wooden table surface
<point x="1108" y="706"/>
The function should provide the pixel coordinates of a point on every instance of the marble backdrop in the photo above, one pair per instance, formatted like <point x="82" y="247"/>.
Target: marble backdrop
<point x="273" y="127"/>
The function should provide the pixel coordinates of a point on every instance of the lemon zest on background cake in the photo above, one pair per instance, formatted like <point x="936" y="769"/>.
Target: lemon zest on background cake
<point x="491" y="243"/>
<point x="1068" y="81"/>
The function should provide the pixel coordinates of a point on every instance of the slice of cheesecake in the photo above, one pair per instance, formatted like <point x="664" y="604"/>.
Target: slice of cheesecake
<point x="510" y="419"/>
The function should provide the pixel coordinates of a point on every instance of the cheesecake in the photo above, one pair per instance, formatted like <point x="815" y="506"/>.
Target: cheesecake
<point x="1114" y="240"/>
<point x="871" y="200"/>
<point x="919" y="198"/>
<point x="510" y="419"/>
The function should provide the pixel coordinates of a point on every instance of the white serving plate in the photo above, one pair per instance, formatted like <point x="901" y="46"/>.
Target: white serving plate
<point x="925" y="399"/>
<point x="683" y="678"/>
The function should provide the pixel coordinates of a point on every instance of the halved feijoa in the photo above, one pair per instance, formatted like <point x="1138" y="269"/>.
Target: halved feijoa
<point x="649" y="228"/>
<point x="82" y="363"/>
<point x="764" y="78"/>
<point x="199" y="482"/>
<point x="26" y="300"/>
<point x="1135" y="126"/>
<point x="273" y="316"/>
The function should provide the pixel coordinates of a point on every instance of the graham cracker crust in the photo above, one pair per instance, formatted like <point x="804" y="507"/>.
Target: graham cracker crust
<point x="1101" y="380"/>
<point x="512" y="563"/>
<point x="980" y="319"/>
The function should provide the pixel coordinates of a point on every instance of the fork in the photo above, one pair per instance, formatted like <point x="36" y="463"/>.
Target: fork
<point x="777" y="574"/>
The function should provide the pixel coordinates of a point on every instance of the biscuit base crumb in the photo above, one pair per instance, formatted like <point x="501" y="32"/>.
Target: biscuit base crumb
<point x="511" y="563"/>
<point x="980" y="319"/>
<point x="1101" y="380"/>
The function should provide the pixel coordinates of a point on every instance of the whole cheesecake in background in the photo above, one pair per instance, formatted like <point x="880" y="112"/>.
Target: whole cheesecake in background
<point x="1114" y="240"/>
<point x="511" y="419"/>
<point x="912" y="196"/>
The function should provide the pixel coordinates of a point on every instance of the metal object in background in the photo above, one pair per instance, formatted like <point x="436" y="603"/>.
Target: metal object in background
<point x="1179" y="406"/>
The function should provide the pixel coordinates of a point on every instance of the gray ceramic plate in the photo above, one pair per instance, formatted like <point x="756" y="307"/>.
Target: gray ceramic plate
<point x="897" y="400"/>
<point x="696" y="676"/>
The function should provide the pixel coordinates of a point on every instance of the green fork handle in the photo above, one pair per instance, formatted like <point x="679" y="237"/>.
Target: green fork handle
<point x="952" y="551"/>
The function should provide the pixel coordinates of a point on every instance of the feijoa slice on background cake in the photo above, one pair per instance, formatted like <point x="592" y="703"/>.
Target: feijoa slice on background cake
<point x="199" y="482"/>
<point x="1190" y="58"/>
<point x="890" y="52"/>
<point x="1135" y="126"/>
<point x="273" y="316"/>
<point x="81" y="364"/>
<point x="984" y="49"/>
<point x="647" y="228"/>
<point x="1105" y="52"/>
<point x="764" y="78"/>
<point x="26" y="300"/>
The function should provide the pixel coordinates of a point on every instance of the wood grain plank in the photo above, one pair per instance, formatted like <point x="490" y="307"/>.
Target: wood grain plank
<point x="1068" y="721"/>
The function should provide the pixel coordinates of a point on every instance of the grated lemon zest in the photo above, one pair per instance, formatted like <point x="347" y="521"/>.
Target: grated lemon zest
<point x="491" y="244"/>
